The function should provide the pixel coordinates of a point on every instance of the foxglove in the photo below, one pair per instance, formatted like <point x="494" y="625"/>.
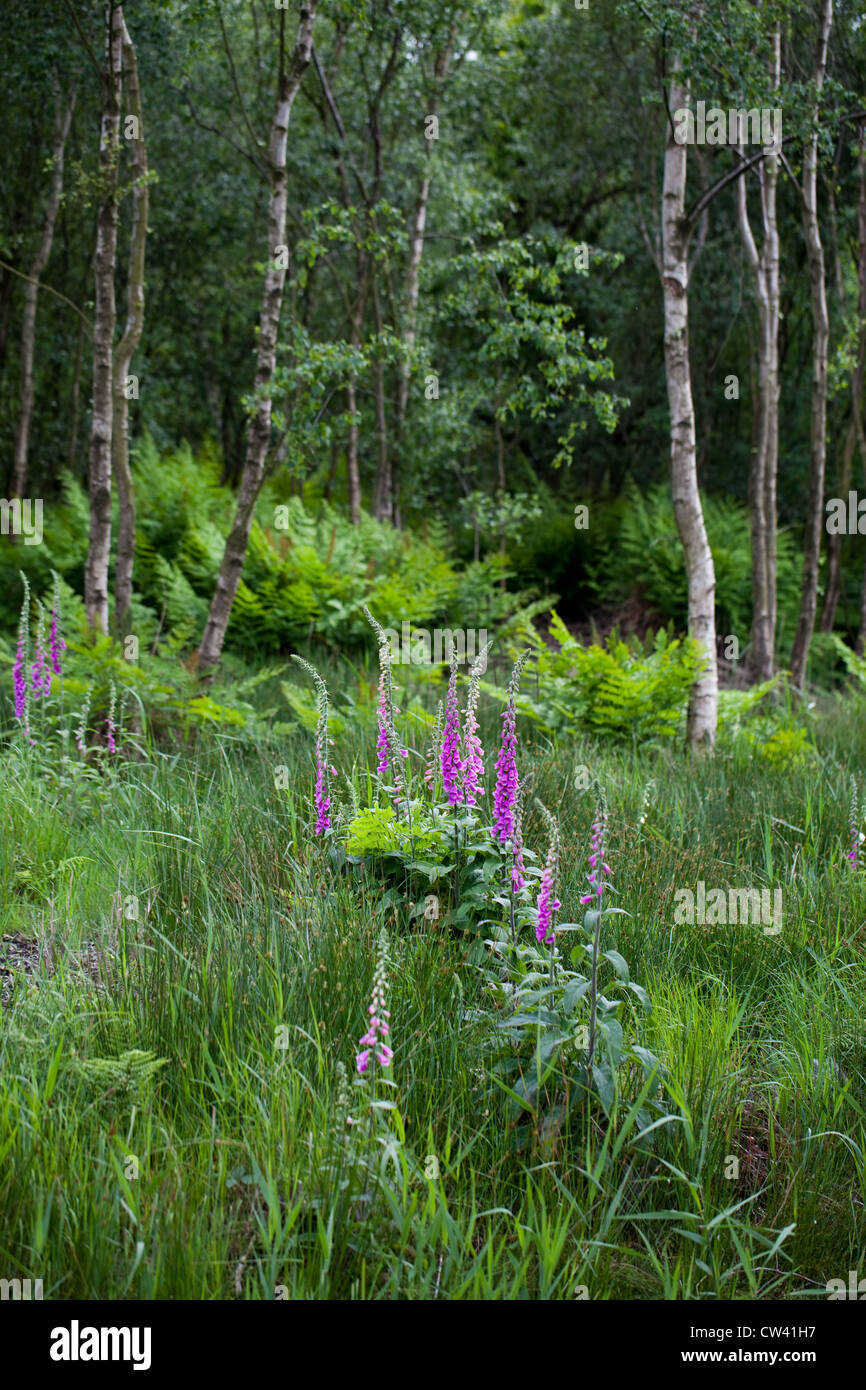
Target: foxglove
<point x="373" y="1041"/>
<point x="506" y="764"/>
<point x="451" y="762"/>
<point x="547" y="904"/>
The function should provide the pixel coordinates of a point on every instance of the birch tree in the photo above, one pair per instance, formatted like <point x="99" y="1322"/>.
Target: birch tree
<point x="258" y="437"/>
<point x="418" y="223"/>
<point x="764" y="265"/>
<point x="104" y="317"/>
<point x="676" y="230"/>
<point x="820" y="344"/>
<point x="130" y="340"/>
<point x="62" y="122"/>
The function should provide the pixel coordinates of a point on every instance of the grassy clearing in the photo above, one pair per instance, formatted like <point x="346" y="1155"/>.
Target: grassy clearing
<point x="225" y="944"/>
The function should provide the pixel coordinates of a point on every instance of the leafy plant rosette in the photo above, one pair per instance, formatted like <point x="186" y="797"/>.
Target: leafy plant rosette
<point x="560" y="1039"/>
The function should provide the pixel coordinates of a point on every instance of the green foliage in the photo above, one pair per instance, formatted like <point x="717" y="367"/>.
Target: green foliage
<point x="621" y="690"/>
<point x="542" y="1049"/>
<point x="132" y="1074"/>
<point x="646" y="555"/>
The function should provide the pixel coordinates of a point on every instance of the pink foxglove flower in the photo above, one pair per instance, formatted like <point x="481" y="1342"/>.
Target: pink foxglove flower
<point x="597" y="866"/>
<point x="322" y="794"/>
<point x="372" y="1043"/>
<point x="19" y="669"/>
<point x="40" y="675"/>
<point x="506" y="764"/>
<point x="55" y="641"/>
<point x="548" y="904"/>
<point x="391" y="755"/>
<point x="451" y="762"/>
<point x="473" y="767"/>
<point x="382" y="741"/>
<point x="19" y="678"/>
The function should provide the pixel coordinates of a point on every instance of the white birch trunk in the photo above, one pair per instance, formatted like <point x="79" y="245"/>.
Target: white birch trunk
<point x="258" y="437"/>
<point x="703" y="707"/>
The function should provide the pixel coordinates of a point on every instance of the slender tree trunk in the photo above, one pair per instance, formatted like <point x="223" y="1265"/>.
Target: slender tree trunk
<point x="104" y="315"/>
<point x="763" y="472"/>
<point x="73" y="403"/>
<point x="332" y="472"/>
<point x="854" y="435"/>
<point x="413" y="272"/>
<point x="703" y="707"/>
<point x="501" y="483"/>
<point x="352" y="468"/>
<point x="821" y="336"/>
<point x="861" y="309"/>
<point x="383" y="504"/>
<point x="28" y="331"/>
<point x="128" y="344"/>
<point x="833" y="585"/>
<point x="260" y="426"/>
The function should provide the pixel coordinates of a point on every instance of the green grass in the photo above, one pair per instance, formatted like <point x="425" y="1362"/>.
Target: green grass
<point x="245" y="1176"/>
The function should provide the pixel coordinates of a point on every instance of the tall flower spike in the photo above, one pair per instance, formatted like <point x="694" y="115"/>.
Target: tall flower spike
<point x="390" y="752"/>
<point x="451" y="762"/>
<point x="382" y="715"/>
<point x="373" y="1041"/>
<point x="854" y="827"/>
<point x="19" y="670"/>
<point x="40" y="675"/>
<point x="431" y="765"/>
<point x="645" y="803"/>
<point x="323" y="767"/>
<point x="473" y="767"/>
<point x="547" y="904"/>
<point x="56" y="642"/>
<point x="81" y="731"/>
<point x="506" y="764"/>
<point x="597" y="866"/>
<point x="517" y="865"/>
<point x="110" y="726"/>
